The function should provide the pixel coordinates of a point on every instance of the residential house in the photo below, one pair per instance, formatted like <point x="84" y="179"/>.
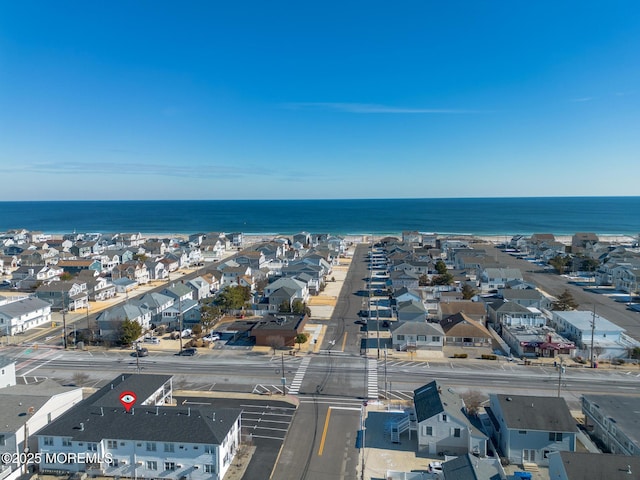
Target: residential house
<point x="182" y="313"/>
<point x="156" y="270"/>
<point x="462" y="331"/>
<point x="417" y="336"/>
<point x="255" y="259"/>
<point x="411" y="311"/>
<point x="231" y="274"/>
<point x="76" y="266"/>
<point x="412" y="237"/>
<point x="171" y="264"/>
<point x="278" y="330"/>
<point x="474" y="310"/>
<point x="155" y="247"/>
<point x="525" y="297"/>
<point x="201" y="288"/>
<point x="82" y="249"/>
<point x="470" y="467"/>
<point x="7" y="372"/>
<point x="609" y="340"/>
<point x="25" y="410"/>
<point x="29" y="277"/>
<point x="124" y="285"/>
<point x="304" y="238"/>
<point x="99" y="288"/>
<point x="18" y="316"/>
<point x="236" y="239"/>
<point x="528" y="428"/>
<point x="155" y="303"/>
<point x="592" y="466"/>
<point x="70" y="296"/>
<point x="583" y="240"/>
<point x="178" y="291"/>
<point x="109" y="321"/>
<point x="502" y="312"/>
<point x="403" y="278"/>
<point x="134" y="270"/>
<point x="299" y="288"/>
<point x="613" y="419"/>
<point x="152" y="441"/>
<point x="442" y="424"/>
<point x="496" y="278"/>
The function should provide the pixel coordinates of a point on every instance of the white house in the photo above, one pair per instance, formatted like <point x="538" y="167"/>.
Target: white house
<point x="419" y="336"/>
<point x="151" y="440"/>
<point x="7" y="372"/>
<point x="25" y="410"/>
<point x="442" y="423"/>
<point x="609" y="340"/>
<point x="20" y="315"/>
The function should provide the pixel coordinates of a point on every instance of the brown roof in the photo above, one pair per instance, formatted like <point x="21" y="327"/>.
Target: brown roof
<point x="468" y="307"/>
<point x="460" y="325"/>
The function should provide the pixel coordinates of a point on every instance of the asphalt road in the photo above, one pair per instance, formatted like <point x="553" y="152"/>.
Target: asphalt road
<point x="555" y="284"/>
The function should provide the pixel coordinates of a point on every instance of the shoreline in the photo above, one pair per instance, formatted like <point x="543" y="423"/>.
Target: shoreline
<point x="252" y="238"/>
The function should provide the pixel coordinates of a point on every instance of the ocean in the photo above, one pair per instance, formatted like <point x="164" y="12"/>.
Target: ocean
<point x="478" y="216"/>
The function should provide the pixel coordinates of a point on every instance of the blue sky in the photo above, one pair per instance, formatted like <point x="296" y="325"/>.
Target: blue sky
<point x="253" y="100"/>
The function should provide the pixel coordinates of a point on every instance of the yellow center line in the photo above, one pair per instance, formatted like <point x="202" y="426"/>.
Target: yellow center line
<point x="344" y="341"/>
<point x="324" y="432"/>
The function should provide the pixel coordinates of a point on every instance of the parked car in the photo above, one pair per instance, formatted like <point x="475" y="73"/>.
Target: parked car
<point x="212" y="337"/>
<point x="154" y="340"/>
<point x="435" y="467"/>
<point x="141" y="352"/>
<point x="186" y="333"/>
<point x="188" y="352"/>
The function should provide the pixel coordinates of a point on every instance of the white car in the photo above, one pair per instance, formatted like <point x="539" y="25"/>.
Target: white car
<point x="186" y="333"/>
<point x="435" y="467"/>
<point x="212" y="337"/>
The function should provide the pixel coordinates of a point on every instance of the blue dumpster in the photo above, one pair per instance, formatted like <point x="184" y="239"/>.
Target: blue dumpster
<point x="523" y="475"/>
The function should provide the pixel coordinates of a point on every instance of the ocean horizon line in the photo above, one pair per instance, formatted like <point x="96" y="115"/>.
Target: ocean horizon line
<point x="499" y="197"/>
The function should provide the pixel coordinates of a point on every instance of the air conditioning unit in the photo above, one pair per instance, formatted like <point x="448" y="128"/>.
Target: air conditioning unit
<point x="123" y="462"/>
<point x="196" y="466"/>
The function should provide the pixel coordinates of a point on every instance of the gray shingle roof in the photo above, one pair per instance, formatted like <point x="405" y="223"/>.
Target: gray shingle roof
<point x="102" y="416"/>
<point x="524" y="412"/>
<point x="21" y="307"/>
<point x="599" y="466"/>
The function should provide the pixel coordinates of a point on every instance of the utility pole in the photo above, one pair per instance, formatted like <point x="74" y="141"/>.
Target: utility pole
<point x="378" y="328"/>
<point x="386" y="397"/>
<point x="64" y="321"/>
<point x="560" y="372"/>
<point x="180" y="322"/>
<point x="593" y="330"/>
<point x="284" y="379"/>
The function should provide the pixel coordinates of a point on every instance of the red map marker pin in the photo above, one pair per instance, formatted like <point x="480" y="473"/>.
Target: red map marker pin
<point x="127" y="399"/>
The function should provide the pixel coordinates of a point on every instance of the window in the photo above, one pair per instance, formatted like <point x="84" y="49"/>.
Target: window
<point x="401" y="338"/>
<point x="152" y="465"/>
<point x="2" y="440"/>
<point x="112" y="444"/>
<point x="522" y="432"/>
<point x="429" y="430"/>
<point x="456" y="432"/>
<point x="92" y="447"/>
<point x="208" y="449"/>
<point x="435" y="339"/>
<point x="66" y="442"/>
<point x="48" y="441"/>
<point x="151" y="447"/>
<point x="169" y="447"/>
<point x="208" y="468"/>
<point x="555" y="436"/>
<point x="422" y="338"/>
<point x="169" y="466"/>
<point x="444" y="417"/>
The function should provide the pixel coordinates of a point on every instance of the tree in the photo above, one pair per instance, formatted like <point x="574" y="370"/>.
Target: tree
<point x="141" y="257"/>
<point x="275" y="342"/>
<point x="564" y="301"/>
<point x="441" y="267"/>
<point x="444" y="279"/>
<point x="468" y="292"/>
<point x="560" y="263"/>
<point x="197" y="329"/>
<point x="300" y="308"/>
<point x="80" y="379"/>
<point x="301" y="338"/>
<point x="129" y="332"/>
<point x="209" y="315"/>
<point x="261" y="284"/>
<point x="473" y="400"/>
<point x="589" y="264"/>
<point x="233" y="298"/>
<point x="66" y="276"/>
<point x="284" y="307"/>
<point x="424" y="281"/>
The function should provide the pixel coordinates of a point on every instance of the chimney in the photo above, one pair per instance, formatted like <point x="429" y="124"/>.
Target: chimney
<point x="81" y="427"/>
<point x="101" y="412"/>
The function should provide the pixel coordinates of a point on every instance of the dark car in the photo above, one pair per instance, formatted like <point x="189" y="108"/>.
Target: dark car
<point x="385" y="324"/>
<point x="141" y="352"/>
<point x="188" y="352"/>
